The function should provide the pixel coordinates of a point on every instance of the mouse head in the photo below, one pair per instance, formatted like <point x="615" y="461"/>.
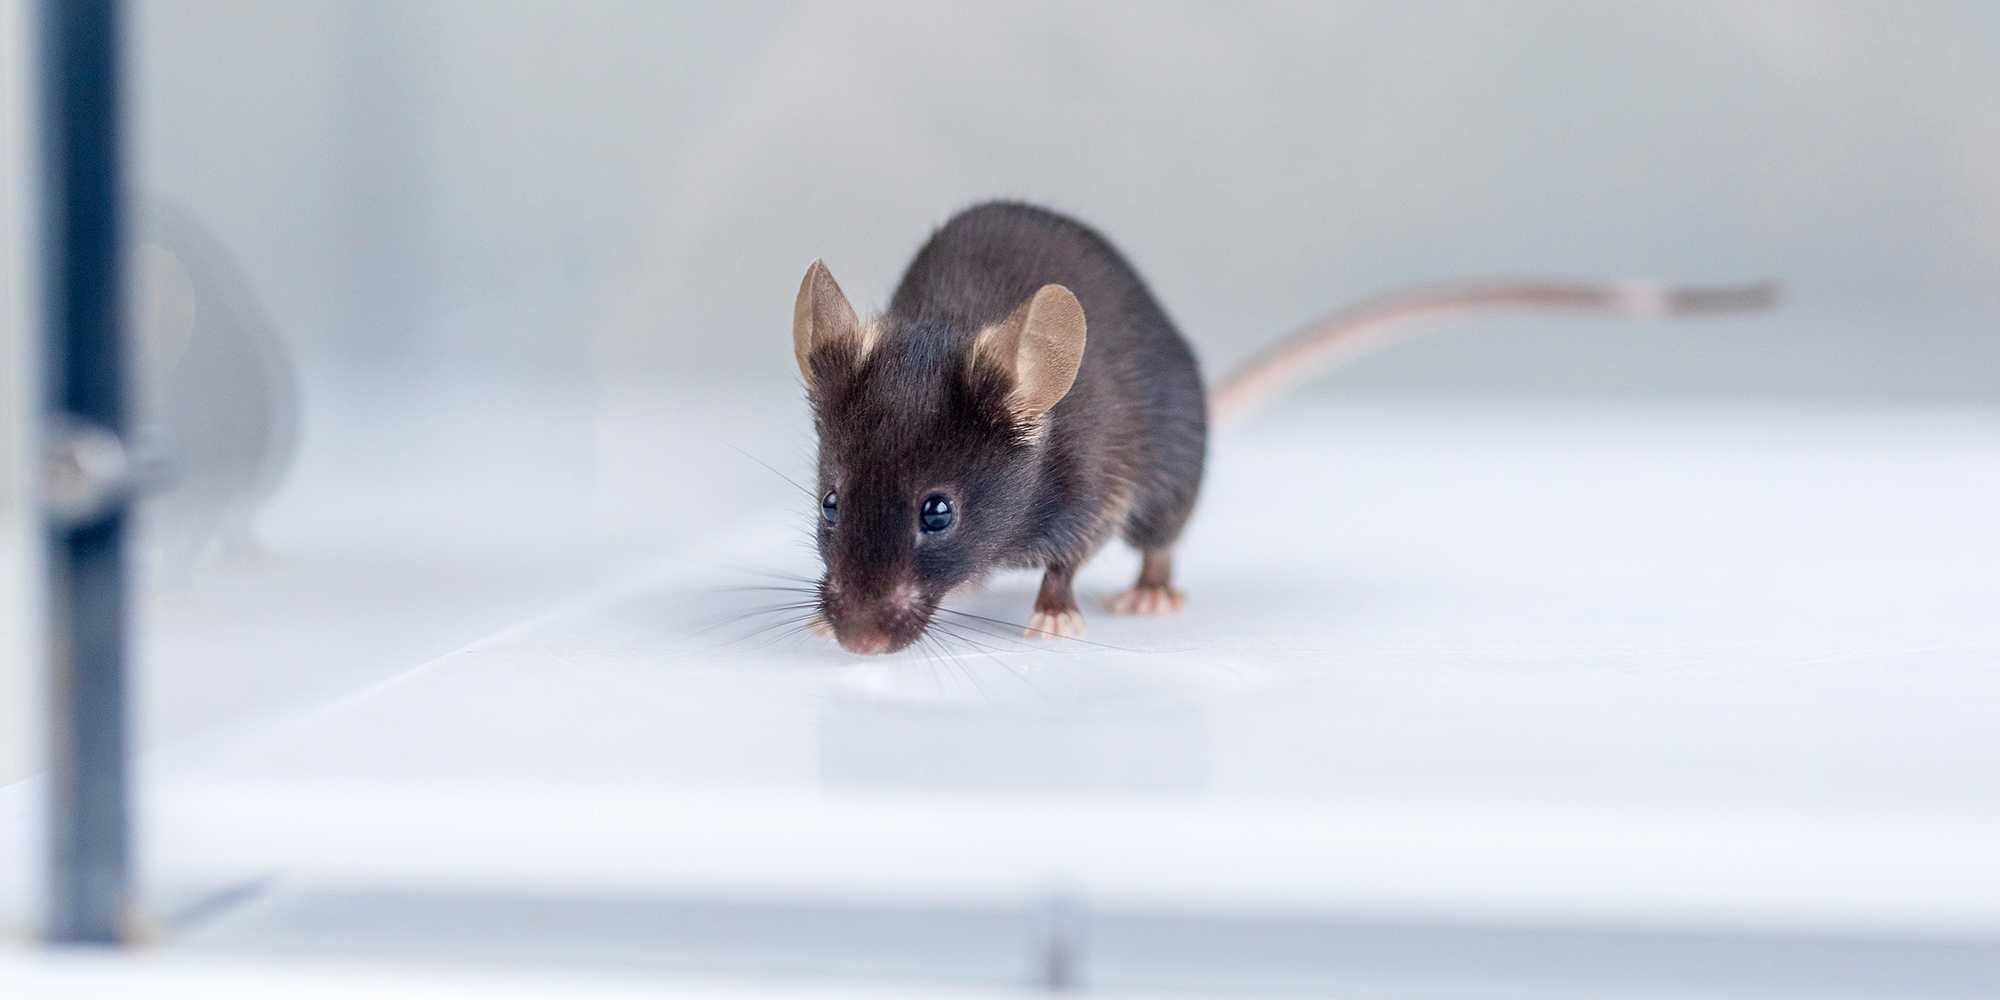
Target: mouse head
<point x="930" y="449"/>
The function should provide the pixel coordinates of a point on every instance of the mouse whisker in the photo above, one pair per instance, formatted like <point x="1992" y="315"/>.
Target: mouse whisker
<point x="990" y="654"/>
<point x="930" y="660"/>
<point x="750" y="613"/>
<point x="765" y="574"/>
<point x="810" y="495"/>
<point x="957" y="631"/>
<point x="1014" y="641"/>
<point x="766" y="629"/>
<point x="797" y="629"/>
<point x="966" y="672"/>
<point x="1042" y="632"/>
<point x="950" y="662"/>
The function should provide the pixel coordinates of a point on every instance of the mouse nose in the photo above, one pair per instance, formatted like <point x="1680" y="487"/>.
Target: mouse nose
<point x="870" y="625"/>
<point x="867" y="642"/>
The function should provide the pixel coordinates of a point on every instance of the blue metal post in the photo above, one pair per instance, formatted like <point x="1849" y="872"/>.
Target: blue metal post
<point x="89" y="867"/>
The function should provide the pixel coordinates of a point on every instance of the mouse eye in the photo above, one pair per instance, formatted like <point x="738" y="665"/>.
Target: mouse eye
<point x="937" y="513"/>
<point x="829" y="507"/>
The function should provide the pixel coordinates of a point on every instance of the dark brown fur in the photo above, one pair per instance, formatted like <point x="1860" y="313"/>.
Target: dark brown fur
<point x="923" y="412"/>
<point x="945" y="393"/>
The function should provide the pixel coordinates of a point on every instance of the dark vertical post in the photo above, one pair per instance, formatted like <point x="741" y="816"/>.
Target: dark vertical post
<point x="89" y="872"/>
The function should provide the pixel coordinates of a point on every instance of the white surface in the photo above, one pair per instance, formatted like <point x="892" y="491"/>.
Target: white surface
<point x="1526" y="606"/>
<point x="81" y="975"/>
<point x="1726" y="672"/>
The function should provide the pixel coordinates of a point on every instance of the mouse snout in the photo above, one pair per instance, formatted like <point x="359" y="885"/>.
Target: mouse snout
<point x="870" y="624"/>
<point x="866" y="643"/>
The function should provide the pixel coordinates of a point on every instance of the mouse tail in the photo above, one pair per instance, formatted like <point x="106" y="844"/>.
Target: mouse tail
<point x="1377" y="323"/>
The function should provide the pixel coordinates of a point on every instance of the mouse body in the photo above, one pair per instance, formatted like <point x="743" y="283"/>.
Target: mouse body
<point x="216" y="389"/>
<point x="1023" y="399"/>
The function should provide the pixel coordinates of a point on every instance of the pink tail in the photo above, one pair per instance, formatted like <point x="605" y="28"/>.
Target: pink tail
<point x="1377" y="323"/>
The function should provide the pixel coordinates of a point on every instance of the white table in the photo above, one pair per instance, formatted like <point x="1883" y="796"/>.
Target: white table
<point x="1565" y="699"/>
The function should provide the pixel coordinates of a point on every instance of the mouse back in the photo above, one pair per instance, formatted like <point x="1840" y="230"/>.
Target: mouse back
<point x="1022" y="399"/>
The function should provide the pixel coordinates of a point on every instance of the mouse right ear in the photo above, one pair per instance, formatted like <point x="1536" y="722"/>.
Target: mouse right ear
<point x="1040" y="344"/>
<point x="821" y="316"/>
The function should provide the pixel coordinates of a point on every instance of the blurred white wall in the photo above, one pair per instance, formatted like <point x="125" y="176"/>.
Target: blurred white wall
<point x="535" y="259"/>
<point x="629" y="186"/>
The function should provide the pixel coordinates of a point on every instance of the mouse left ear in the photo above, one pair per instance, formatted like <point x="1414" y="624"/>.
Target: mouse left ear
<point x="1041" y="345"/>
<point x="822" y="316"/>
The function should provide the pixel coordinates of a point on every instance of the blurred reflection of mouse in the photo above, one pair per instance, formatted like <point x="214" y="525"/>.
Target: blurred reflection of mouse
<point x="217" y="402"/>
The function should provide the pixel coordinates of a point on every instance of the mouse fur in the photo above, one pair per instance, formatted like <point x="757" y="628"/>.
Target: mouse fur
<point x="1024" y="372"/>
<point x="1025" y="380"/>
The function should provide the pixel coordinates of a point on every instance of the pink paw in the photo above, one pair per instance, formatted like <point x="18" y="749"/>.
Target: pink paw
<point x="1055" y="625"/>
<point x="1146" y="600"/>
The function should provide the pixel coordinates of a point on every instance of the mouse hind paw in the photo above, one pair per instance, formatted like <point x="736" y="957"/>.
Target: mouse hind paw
<point x="1151" y="595"/>
<point x="1146" y="599"/>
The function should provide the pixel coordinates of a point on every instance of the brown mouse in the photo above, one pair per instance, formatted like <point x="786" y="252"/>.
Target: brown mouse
<point x="1025" y="397"/>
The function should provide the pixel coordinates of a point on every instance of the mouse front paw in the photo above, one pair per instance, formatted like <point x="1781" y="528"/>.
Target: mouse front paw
<point x="1055" y="625"/>
<point x="1146" y="599"/>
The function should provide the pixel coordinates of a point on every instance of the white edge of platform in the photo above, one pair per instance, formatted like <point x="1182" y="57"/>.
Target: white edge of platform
<point x="1902" y="874"/>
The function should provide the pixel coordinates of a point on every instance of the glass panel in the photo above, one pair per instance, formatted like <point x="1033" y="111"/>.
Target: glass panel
<point x="20" y="681"/>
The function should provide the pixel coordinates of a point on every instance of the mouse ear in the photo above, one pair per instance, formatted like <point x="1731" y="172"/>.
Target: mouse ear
<point x="161" y="309"/>
<point x="822" y="316"/>
<point x="1041" y="345"/>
